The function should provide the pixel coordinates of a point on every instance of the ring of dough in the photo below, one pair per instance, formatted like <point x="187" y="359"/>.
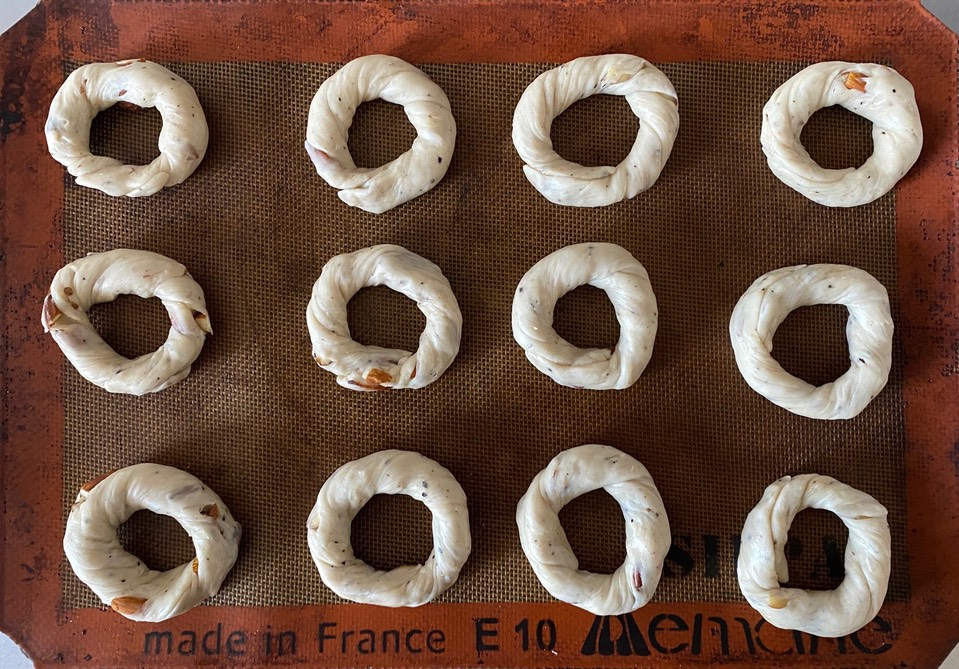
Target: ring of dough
<point x="418" y="170"/>
<point x="389" y="472"/>
<point x="101" y="277"/>
<point x="875" y="92"/>
<point x="762" y="560"/>
<point x="576" y="472"/>
<point x="624" y="280"/>
<point x="139" y="83"/>
<point x="120" y="579"/>
<point x="651" y="98"/>
<point x="765" y="305"/>
<point x="360" y="367"/>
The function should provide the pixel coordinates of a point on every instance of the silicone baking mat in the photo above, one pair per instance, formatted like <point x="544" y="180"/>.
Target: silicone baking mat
<point x="262" y="425"/>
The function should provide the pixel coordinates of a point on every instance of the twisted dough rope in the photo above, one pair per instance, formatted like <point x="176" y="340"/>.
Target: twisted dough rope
<point x="92" y="88"/>
<point x="576" y="472"/>
<point x="624" y="280"/>
<point x="651" y="98"/>
<point x="765" y="305"/>
<point x="359" y="367"/>
<point x="762" y="560"/>
<point x="101" y="277"/>
<point x="331" y="114"/>
<point x="389" y="472"/>
<point x="875" y="92"/>
<point x="120" y="579"/>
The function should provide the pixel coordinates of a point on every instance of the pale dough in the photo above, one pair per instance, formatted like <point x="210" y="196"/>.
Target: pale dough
<point x="624" y="280"/>
<point x="360" y="367"/>
<point x="576" y="472"/>
<point x="875" y="92"/>
<point x="92" y="88"/>
<point x="651" y="98"/>
<point x="762" y="559"/>
<point x="389" y="472"/>
<point x="121" y="579"/>
<point x="331" y="113"/>
<point x="101" y="277"/>
<point x="765" y="305"/>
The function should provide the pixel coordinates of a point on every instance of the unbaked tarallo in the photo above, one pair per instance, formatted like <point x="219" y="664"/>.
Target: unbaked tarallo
<point x="875" y="92"/>
<point x="765" y="305"/>
<point x="575" y="472"/>
<point x="762" y="565"/>
<point x="410" y="175"/>
<point x="625" y="281"/>
<point x="121" y="579"/>
<point x="102" y="277"/>
<point x="389" y="472"/>
<point x="360" y="367"/>
<point x="651" y="98"/>
<point x="140" y="83"/>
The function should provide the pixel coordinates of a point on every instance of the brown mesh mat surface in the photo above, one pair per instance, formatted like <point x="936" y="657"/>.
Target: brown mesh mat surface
<point x="259" y="422"/>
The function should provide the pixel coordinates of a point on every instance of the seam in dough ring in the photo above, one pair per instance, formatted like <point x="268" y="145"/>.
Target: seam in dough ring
<point x="651" y="98"/>
<point x="418" y="170"/>
<point x="610" y="268"/>
<point x="389" y="472"/>
<point x="575" y="472"/>
<point x="875" y="92"/>
<point x="359" y="367"/>
<point x="101" y="277"/>
<point x="762" y="561"/>
<point x="765" y="305"/>
<point x="94" y="87"/>
<point x="120" y="579"/>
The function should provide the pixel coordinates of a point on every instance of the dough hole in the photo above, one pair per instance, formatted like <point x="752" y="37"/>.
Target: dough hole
<point x="131" y="325"/>
<point x="594" y="526"/>
<point x="380" y="133"/>
<point x="836" y="138"/>
<point x="380" y="316"/>
<point x="811" y="343"/>
<point x="156" y="539"/>
<point x="392" y="531"/>
<point x="585" y="318"/>
<point x="598" y="130"/>
<point x="129" y="136"/>
<point x="816" y="550"/>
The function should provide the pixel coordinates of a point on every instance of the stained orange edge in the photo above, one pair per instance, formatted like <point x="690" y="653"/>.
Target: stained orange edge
<point x="31" y="55"/>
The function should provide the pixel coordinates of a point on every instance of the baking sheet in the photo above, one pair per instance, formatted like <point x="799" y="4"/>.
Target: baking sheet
<point x="257" y="269"/>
